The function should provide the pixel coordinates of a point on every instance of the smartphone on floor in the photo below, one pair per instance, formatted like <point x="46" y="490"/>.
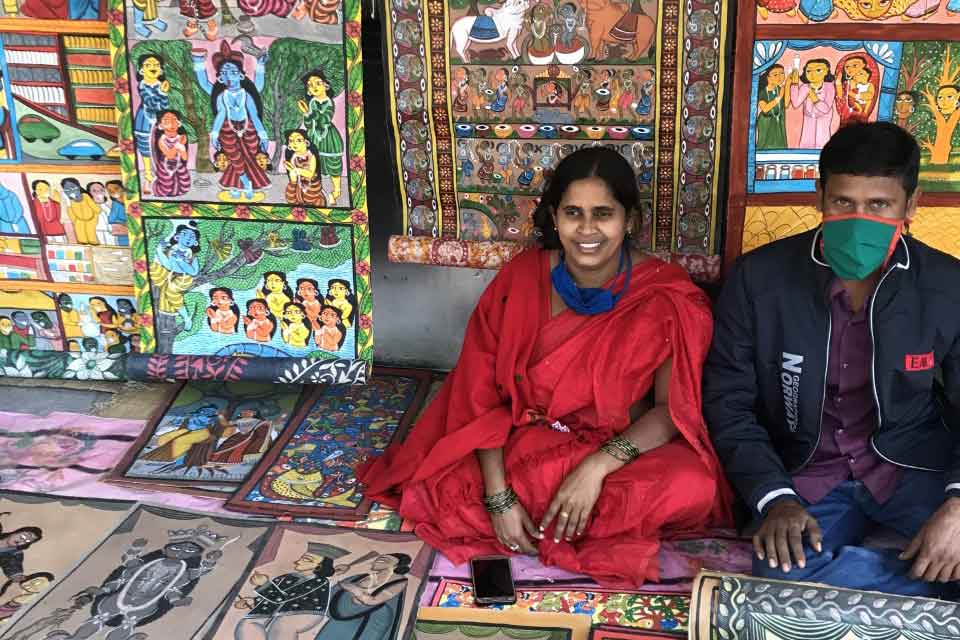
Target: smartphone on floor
<point x="492" y="580"/>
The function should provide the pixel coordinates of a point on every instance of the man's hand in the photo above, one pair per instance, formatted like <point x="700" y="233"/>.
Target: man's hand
<point x="781" y="535"/>
<point x="934" y="550"/>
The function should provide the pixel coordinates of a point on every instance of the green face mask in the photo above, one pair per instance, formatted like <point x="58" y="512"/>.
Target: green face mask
<point x="856" y="245"/>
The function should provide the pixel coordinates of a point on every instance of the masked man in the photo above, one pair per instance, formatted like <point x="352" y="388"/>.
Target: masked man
<point x="822" y="391"/>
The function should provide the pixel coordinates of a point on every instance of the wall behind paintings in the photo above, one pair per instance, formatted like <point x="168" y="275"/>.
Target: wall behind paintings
<point x="420" y="312"/>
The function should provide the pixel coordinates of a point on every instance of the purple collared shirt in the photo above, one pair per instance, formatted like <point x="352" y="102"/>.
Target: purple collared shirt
<point x="849" y="412"/>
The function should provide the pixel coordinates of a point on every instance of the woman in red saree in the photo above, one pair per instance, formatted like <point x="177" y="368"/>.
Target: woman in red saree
<point x="570" y="428"/>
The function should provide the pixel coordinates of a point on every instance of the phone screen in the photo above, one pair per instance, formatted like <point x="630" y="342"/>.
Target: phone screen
<point x="492" y="578"/>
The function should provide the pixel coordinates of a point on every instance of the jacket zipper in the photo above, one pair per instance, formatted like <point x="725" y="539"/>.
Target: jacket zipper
<point x="823" y="395"/>
<point x="873" y="381"/>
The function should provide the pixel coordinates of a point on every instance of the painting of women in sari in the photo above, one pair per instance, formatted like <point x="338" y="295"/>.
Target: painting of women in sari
<point x="173" y="266"/>
<point x="170" y="155"/>
<point x="246" y="435"/>
<point x="772" y="108"/>
<point x="814" y="93"/>
<point x="318" y="112"/>
<point x="238" y="130"/>
<point x="302" y="166"/>
<point x="153" y="88"/>
<point x="858" y="88"/>
<point x="104" y="314"/>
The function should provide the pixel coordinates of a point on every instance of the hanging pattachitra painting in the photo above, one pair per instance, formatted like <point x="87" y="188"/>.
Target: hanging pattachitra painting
<point x="67" y="308"/>
<point x="241" y="128"/>
<point x="811" y="73"/>
<point x="488" y="96"/>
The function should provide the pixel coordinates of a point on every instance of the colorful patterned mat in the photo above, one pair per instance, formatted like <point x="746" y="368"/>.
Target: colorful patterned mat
<point x="661" y="612"/>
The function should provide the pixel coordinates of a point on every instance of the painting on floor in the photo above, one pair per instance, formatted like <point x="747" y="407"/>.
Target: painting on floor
<point x="160" y="573"/>
<point x="241" y="126"/>
<point x="210" y="436"/>
<point x="437" y="623"/>
<point x="61" y="452"/>
<point x="39" y="550"/>
<point x="667" y="613"/>
<point x="798" y="88"/>
<point x="328" y="584"/>
<point x="606" y="632"/>
<point x="736" y="606"/>
<point x="517" y="85"/>
<point x="65" y="268"/>
<point x="310" y="470"/>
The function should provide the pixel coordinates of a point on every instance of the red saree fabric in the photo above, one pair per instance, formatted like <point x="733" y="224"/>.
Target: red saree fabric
<point x="520" y="371"/>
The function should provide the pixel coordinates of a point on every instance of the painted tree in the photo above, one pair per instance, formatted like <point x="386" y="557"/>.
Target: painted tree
<point x="289" y="60"/>
<point x="910" y="74"/>
<point x="186" y="95"/>
<point x="937" y="132"/>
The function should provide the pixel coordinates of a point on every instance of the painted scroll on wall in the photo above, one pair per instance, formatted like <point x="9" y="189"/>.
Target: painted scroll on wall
<point x="907" y="73"/>
<point x="487" y="97"/>
<point x="67" y="308"/>
<point x="241" y="127"/>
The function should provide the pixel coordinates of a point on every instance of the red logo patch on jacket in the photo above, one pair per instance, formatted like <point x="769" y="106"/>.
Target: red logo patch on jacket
<point x="919" y="362"/>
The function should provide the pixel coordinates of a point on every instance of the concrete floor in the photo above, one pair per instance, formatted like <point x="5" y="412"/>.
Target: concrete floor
<point x="133" y="400"/>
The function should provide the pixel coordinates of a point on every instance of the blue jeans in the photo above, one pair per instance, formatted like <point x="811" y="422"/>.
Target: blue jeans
<point x="845" y="516"/>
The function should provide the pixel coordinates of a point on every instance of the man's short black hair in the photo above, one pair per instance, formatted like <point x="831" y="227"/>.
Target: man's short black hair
<point x="872" y="149"/>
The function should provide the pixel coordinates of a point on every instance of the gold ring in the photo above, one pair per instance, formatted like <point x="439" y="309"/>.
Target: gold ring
<point x="564" y="514"/>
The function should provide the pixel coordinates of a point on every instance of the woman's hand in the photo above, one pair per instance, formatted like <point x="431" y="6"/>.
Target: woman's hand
<point x="574" y="501"/>
<point x="515" y="530"/>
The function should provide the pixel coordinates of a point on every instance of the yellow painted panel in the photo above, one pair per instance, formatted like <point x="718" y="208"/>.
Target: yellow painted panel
<point x="26" y="300"/>
<point x="763" y="225"/>
<point x="938" y="227"/>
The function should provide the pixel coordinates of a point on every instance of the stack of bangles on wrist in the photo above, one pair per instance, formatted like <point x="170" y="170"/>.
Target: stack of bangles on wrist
<point x="501" y="502"/>
<point x="621" y="449"/>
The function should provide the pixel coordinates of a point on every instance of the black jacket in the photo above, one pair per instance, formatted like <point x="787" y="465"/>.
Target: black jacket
<point x="765" y="377"/>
